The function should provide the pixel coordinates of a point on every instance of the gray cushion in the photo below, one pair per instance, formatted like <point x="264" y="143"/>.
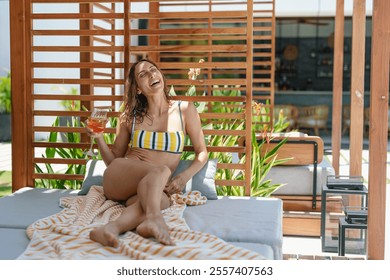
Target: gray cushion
<point x="202" y="181"/>
<point x="233" y="219"/>
<point x="240" y="219"/>
<point x="13" y="242"/>
<point x="288" y="175"/>
<point x="94" y="171"/>
<point x="27" y="205"/>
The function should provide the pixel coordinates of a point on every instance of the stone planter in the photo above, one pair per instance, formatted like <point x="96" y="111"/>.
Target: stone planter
<point x="5" y="127"/>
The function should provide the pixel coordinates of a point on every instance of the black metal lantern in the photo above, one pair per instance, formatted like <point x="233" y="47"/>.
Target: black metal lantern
<point x="344" y="215"/>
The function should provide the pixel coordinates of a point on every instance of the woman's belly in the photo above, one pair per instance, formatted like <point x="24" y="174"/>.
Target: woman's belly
<point x="156" y="157"/>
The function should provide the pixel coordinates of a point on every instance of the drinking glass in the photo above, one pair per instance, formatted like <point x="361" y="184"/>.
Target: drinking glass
<point x="97" y="123"/>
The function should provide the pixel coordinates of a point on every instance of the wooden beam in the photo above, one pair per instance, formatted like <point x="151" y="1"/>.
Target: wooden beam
<point x="337" y="84"/>
<point x="357" y="86"/>
<point x="86" y="57"/>
<point x="379" y="103"/>
<point x="19" y="105"/>
<point x="248" y="109"/>
<point x="154" y="24"/>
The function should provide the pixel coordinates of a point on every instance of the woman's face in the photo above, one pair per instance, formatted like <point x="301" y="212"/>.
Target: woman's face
<point x="149" y="79"/>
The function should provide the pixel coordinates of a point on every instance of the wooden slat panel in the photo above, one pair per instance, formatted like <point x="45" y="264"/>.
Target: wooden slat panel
<point x="78" y="81"/>
<point x="77" y="16"/>
<point x="229" y="183"/>
<point x="58" y="176"/>
<point x="205" y="34"/>
<point x="76" y="97"/>
<point x="191" y="15"/>
<point x="63" y="32"/>
<point x="59" y="160"/>
<point x="76" y="65"/>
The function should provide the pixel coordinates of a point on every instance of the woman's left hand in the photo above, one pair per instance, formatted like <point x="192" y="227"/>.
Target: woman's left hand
<point x="175" y="185"/>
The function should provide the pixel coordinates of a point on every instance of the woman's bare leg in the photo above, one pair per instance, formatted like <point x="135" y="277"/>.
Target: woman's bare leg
<point x="150" y="193"/>
<point x="148" y="182"/>
<point x="130" y="218"/>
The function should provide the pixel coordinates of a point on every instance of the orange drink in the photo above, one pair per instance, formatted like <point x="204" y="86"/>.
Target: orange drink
<point x="96" y="124"/>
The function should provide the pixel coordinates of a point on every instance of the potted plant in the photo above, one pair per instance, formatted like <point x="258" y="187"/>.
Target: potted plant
<point x="5" y="108"/>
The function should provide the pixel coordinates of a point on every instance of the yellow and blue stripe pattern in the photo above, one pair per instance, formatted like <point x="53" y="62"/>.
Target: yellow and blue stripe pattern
<point x="172" y="142"/>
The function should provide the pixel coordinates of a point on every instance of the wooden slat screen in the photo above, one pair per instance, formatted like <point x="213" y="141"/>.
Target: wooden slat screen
<point x="78" y="51"/>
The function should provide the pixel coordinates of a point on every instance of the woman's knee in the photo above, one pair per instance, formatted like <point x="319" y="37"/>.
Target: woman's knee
<point x="162" y="171"/>
<point x="157" y="172"/>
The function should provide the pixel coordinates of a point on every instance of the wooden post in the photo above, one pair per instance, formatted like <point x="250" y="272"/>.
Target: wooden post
<point x="379" y="103"/>
<point x="154" y="8"/>
<point x="86" y="73"/>
<point x="337" y="84"/>
<point x="248" y="109"/>
<point x="19" y="95"/>
<point x="357" y="86"/>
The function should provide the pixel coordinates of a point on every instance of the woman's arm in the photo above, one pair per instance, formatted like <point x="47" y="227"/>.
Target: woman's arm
<point x="194" y="130"/>
<point x="119" y="147"/>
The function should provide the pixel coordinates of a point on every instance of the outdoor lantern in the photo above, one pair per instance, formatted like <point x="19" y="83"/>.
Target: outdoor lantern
<point x="344" y="215"/>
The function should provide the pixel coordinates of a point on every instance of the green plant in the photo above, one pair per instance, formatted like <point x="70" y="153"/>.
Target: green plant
<point x="68" y="153"/>
<point x="261" y="163"/>
<point x="5" y="94"/>
<point x="69" y="105"/>
<point x="5" y="183"/>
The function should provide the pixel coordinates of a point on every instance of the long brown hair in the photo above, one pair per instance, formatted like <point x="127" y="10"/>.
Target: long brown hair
<point x="136" y="105"/>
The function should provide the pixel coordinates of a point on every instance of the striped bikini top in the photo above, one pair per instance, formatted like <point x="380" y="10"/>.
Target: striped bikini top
<point x="171" y="142"/>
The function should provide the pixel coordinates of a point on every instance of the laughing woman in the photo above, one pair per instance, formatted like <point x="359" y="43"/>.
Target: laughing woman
<point x="147" y="149"/>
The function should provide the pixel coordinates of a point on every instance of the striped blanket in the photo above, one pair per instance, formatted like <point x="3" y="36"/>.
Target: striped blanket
<point x="65" y="235"/>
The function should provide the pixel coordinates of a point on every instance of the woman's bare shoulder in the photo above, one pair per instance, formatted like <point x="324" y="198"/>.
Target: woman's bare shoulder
<point x="187" y="106"/>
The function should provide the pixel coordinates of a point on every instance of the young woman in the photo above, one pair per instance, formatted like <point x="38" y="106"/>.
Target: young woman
<point x="147" y="149"/>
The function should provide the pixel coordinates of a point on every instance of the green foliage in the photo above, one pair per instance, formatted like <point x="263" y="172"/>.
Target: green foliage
<point x="261" y="163"/>
<point x="5" y="94"/>
<point x="68" y="153"/>
<point x="69" y="105"/>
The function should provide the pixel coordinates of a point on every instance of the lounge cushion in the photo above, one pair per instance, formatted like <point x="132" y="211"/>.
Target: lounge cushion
<point x="288" y="175"/>
<point x="240" y="219"/>
<point x="13" y="242"/>
<point x="233" y="219"/>
<point x="27" y="205"/>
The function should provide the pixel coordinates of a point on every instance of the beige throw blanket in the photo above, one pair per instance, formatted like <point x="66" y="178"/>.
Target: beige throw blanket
<point x="65" y="235"/>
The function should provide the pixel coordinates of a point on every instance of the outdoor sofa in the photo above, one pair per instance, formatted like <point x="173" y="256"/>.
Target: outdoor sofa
<point x="244" y="225"/>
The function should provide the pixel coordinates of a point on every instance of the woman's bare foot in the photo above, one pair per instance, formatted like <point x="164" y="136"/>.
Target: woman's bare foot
<point x="154" y="226"/>
<point x="106" y="235"/>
